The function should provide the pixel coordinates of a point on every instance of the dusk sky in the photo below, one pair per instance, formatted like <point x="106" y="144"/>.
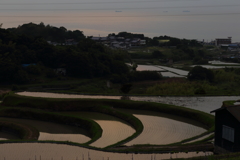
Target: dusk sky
<point x="191" y="19"/>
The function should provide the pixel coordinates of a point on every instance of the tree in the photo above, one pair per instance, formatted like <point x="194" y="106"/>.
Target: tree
<point x="200" y="73"/>
<point x="157" y="54"/>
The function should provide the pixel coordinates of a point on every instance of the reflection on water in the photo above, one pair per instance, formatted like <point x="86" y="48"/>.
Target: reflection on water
<point x="54" y="131"/>
<point x="45" y="151"/>
<point x="164" y="128"/>
<point x="174" y="70"/>
<point x="159" y="130"/>
<point x="170" y="74"/>
<point x="205" y="104"/>
<point x="148" y="68"/>
<point x="58" y="95"/>
<point x="114" y="129"/>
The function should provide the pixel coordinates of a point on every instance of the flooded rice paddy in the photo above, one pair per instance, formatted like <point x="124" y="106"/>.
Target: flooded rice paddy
<point x="149" y="68"/>
<point x="114" y="129"/>
<point x="223" y="63"/>
<point x="205" y="104"/>
<point x="165" y="71"/>
<point x="163" y="129"/>
<point x="57" y="95"/>
<point x="151" y="122"/>
<point x="54" y="131"/>
<point x="174" y="72"/>
<point x="170" y="74"/>
<point x="42" y="151"/>
<point x="160" y="131"/>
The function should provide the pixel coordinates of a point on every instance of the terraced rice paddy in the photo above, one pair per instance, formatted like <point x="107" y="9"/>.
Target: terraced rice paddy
<point x="163" y="129"/>
<point x="165" y="71"/>
<point x="38" y="151"/>
<point x="170" y="74"/>
<point x="57" y="95"/>
<point x="54" y="131"/>
<point x="205" y="104"/>
<point x="174" y="70"/>
<point x="114" y="129"/>
<point x="148" y="68"/>
<point x="158" y="129"/>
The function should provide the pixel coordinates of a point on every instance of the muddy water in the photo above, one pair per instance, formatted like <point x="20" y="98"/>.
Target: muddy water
<point x="54" y="131"/>
<point x="40" y="151"/>
<point x="114" y="129"/>
<point x="163" y="129"/>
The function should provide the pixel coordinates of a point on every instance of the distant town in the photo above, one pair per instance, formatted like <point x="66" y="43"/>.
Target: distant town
<point x="126" y="43"/>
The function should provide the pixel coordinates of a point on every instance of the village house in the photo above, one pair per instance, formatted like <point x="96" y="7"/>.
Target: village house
<point x="227" y="128"/>
<point x="223" y="41"/>
<point x="120" y="42"/>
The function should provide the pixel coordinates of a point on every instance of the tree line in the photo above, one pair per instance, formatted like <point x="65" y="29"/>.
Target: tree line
<point x="87" y="59"/>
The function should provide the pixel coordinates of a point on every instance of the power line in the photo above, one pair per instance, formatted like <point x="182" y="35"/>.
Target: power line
<point x="129" y="16"/>
<point x="64" y="3"/>
<point x="125" y="8"/>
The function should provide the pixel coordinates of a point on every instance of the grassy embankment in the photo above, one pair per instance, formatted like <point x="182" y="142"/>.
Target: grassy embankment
<point x="94" y="130"/>
<point x="110" y="107"/>
<point x="23" y="131"/>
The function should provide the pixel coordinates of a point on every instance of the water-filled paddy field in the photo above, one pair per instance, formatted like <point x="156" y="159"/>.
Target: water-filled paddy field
<point x="174" y="72"/>
<point x="159" y="127"/>
<point x="54" y="131"/>
<point x="44" y="151"/>
<point x="205" y="104"/>
<point x="114" y="129"/>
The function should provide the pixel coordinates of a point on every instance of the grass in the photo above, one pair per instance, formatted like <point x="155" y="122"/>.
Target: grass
<point x="23" y="131"/>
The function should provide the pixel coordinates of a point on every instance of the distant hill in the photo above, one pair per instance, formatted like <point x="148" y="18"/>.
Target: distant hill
<point x="25" y="58"/>
<point x="49" y="33"/>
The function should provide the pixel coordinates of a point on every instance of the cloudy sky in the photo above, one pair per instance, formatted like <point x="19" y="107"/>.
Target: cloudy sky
<point x="191" y="19"/>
